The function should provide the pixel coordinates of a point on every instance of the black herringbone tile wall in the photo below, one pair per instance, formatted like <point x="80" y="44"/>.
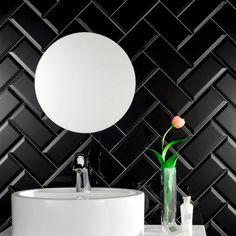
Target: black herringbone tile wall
<point x="184" y="55"/>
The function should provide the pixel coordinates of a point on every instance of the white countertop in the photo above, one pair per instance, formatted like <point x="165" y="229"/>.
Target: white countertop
<point x="150" y="230"/>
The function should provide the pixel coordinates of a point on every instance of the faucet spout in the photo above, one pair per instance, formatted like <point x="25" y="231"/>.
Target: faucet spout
<point x="81" y="166"/>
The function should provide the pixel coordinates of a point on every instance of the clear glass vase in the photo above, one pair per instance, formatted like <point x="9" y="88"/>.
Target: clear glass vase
<point x="168" y="180"/>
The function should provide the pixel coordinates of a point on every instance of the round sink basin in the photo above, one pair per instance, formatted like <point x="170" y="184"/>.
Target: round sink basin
<point x="64" y="212"/>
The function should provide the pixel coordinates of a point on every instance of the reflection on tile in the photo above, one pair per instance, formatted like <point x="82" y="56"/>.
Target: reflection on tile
<point x="109" y="137"/>
<point x="100" y="160"/>
<point x="137" y="174"/>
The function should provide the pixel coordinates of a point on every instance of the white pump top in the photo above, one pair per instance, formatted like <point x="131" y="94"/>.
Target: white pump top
<point x="187" y="199"/>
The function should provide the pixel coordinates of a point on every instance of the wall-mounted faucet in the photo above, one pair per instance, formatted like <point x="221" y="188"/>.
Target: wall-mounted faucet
<point x="81" y="166"/>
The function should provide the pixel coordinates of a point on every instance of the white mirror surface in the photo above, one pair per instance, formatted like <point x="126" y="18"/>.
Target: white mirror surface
<point x="85" y="82"/>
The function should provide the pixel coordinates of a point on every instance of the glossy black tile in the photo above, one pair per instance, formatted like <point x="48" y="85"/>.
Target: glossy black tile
<point x="33" y="27"/>
<point x="154" y="217"/>
<point x="176" y="6"/>
<point x="41" y="7"/>
<point x="8" y="103"/>
<point x="27" y="56"/>
<point x="226" y="19"/>
<point x="198" y="11"/>
<point x="57" y="18"/>
<point x="8" y="8"/>
<point x="96" y="21"/>
<point x="202" y="77"/>
<point x="74" y="27"/>
<point x="201" y="42"/>
<point x="150" y="201"/>
<point x="5" y="206"/>
<point x="64" y="146"/>
<point x="24" y="88"/>
<point x="109" y="6"/>
<point x="195" y="29"/>
<point x="137" y="174"/>
<point x="142" y="103"/>
<point x="6" y="224"/>
<point x="167" y="58"/>
<point x="8" y="37"/>
<point x="9" y="169"/>
<point x="226" y="153"/>
<point x="8" y="137"/>
<point x="138" y="8"/>
<point x="154" y="185"/>
<point x="102" y="162"/>
<point x="232" y="2"/>
<point x="203" y="110"/>
<point x="109" y="137"/>
<point x="199" y="147"/>
<point x="25" y="182"/>
<point x="8" y="69"/>
<point x="227" y="52"/>
<point x="137" y="39"/>
<point x="170" y="28"/>
<point x="209" y="171"/>
<point x="144" y="68"/>
<point x="33" y="160"/>
<point x="225" y="186"/>
<point x="212" y="203"/>
<point x="212" y="231"/>
<point x="97" y="181"/>
<point x="226" y="119"/>
<point x="31" y="127"/>
<point x="226" y="221"/>
<point x="134" y="143"/>
<point x="168" y="92"/>
<point x="227" y="86"/>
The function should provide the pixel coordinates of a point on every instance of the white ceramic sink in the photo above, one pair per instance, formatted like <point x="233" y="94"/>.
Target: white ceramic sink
<point x="64" y="212"/>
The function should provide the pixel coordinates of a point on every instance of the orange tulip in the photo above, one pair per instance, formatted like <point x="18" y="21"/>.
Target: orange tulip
<point x="178" y="122"/>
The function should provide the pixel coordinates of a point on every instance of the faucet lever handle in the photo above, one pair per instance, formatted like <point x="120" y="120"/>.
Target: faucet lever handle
<point x="79" y="162"/>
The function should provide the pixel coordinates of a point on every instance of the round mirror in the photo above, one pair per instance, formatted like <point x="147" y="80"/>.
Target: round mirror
<point x="85" y="82"/>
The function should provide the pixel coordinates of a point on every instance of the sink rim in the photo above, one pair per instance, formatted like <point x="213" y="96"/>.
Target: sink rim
<point x="23" y="194"/>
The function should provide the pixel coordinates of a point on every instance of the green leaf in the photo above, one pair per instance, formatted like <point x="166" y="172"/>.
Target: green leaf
<point x="168" y="146"/>
<point x="159" y="157"/>
<point x="171" y="161"/>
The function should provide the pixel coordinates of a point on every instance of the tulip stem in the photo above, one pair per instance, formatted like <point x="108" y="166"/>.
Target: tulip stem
<point x="163" y="139"/>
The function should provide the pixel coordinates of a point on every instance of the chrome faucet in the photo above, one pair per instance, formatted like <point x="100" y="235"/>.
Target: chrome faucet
<point x="81" y="166"/>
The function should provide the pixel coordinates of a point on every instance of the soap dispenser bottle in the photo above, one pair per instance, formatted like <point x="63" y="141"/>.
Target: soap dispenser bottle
<point x="186" y="210"/>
